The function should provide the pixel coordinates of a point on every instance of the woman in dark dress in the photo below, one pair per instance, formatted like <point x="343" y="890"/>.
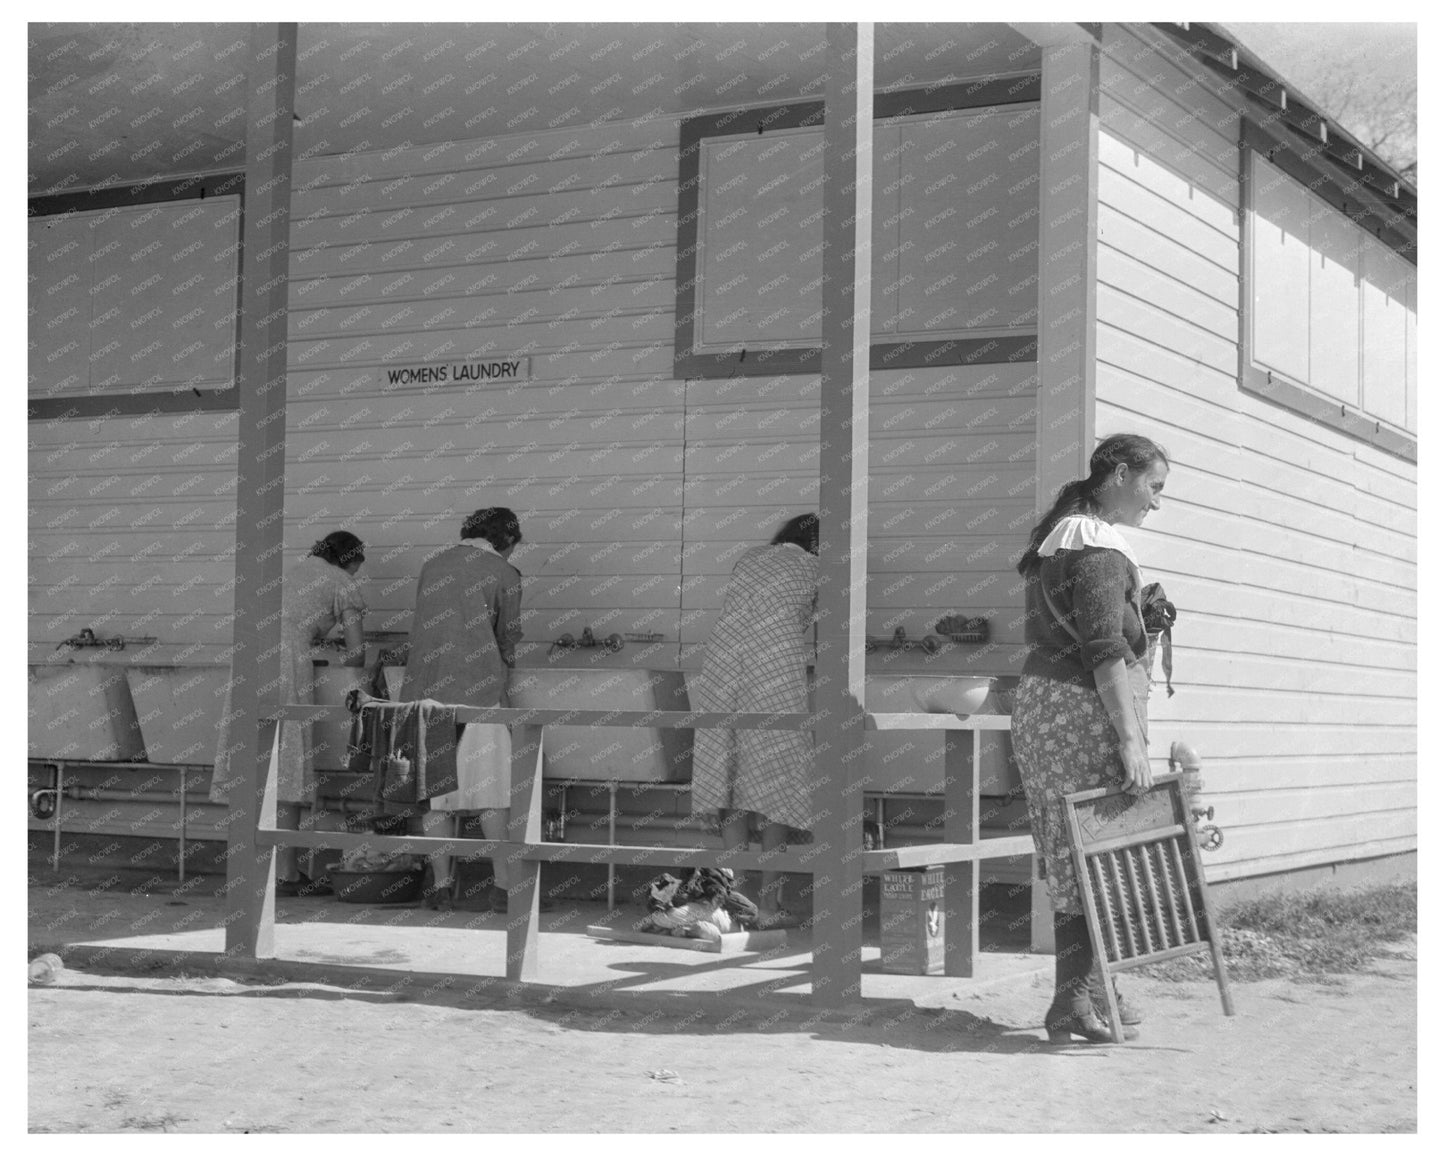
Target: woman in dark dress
<point x="467" y="624"/>
<point x="1080" y="718"/>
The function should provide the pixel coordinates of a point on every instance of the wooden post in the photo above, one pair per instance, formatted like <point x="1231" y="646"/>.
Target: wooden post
<point x="843" y="514"/>
<point x="961" y="757"/>
<point x="261" y="477"/>
<point x="524" y="825"/>
<point x="1068" y="245"/>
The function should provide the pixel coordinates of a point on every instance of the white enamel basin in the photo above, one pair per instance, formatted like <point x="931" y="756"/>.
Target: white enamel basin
<point x="624" y="754"/>
<point x="930" y="693"/>
<point x="912" y="761"/>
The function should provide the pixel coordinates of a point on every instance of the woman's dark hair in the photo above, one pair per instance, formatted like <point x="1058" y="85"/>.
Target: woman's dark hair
<point x="340" y="548"/>
<point x="1081" y="497"/>
<point x="497" y="524"/>
<point x="800" y="531"/>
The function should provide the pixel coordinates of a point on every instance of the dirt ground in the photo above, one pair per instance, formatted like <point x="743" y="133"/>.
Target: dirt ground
<point x="218" y="1055"/>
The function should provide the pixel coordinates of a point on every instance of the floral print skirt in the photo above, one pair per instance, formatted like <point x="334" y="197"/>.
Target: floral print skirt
<point x="1064" y="742"/>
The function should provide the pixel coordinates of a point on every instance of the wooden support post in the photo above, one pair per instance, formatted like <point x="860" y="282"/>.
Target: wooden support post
<point x="261" y="478"/>
<point x="524" y="825"/>
<point x="1068" y="244"/>
<point x="960" y="825"/>
<point x="843" y="514"/>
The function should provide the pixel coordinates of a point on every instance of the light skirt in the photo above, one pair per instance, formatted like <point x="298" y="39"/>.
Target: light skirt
<point x="484" y="770"/>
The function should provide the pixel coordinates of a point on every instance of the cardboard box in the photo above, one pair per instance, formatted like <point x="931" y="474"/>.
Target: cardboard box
<point x="910" y="919"/>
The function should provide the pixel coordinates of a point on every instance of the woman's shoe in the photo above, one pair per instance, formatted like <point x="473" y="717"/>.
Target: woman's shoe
<point x="1128" y="1013"/>
<point x="438" y="898"/>
<point x="1077" y="1018"/>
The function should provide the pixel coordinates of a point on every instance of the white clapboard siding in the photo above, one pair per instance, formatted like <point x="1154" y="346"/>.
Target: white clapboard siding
<point x="1212" y="666"/>
<point x="559" y="248"/>
<point x="1287" y="546"/>
<point x="1148" y="101"/>
<point x="131" y="527"/>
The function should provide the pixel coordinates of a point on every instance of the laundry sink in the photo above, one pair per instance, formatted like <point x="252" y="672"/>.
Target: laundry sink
<point x="82" y="711"/>
<point x="622" y="754"/>
<point x="179" y="710"/>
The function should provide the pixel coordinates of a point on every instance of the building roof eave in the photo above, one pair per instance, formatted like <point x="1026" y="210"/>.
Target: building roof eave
<point x="1291" y="114"/>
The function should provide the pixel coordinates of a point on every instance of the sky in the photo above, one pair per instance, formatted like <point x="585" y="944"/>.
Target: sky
<point x="1312" y="55"/>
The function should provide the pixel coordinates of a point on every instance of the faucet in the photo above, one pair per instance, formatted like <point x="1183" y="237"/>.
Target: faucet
<point x="613" y="642"/>
<point x="86" y="638"/>
<point x="929" y="643"/>
<point x="1183" y="758"/>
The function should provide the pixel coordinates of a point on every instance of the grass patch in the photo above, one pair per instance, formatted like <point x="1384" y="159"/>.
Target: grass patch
<point x="1307" y="933"/>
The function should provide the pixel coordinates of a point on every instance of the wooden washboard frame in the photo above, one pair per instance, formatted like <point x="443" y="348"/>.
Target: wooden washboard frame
<point x="1145" y="896"/>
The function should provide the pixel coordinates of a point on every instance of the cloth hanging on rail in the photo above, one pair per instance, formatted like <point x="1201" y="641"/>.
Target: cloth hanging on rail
<point x="409" y="748"/>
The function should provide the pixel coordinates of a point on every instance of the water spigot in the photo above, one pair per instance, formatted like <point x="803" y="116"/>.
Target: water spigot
<point x="1184" y="759"/>
<point x="612" y="642"/>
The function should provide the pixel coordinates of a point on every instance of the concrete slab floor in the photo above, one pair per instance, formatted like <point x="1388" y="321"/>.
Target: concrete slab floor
<point x="157" y="924"/>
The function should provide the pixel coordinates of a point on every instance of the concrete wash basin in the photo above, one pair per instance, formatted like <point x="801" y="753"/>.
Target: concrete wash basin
<point x="82" y="711"/>
<point x="896" y="761"/>
<point x="624" y="754"/>
<point x="179" y="710"/>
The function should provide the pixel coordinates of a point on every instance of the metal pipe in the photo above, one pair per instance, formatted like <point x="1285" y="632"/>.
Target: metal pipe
<point x="611" y="838"/>
<point x="59" y="795"/>
<point x="115" y="795"/>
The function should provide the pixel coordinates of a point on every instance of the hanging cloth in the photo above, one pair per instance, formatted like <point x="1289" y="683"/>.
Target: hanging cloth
<point x="1159" y="617"/>
<point x="412" y="748"/>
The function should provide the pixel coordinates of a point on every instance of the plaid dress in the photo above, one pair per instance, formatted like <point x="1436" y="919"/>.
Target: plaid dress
<point x="757" y="660"/>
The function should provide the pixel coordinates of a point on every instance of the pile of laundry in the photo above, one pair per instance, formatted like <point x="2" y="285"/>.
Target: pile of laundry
<point x="698" y="903"/>
<point x="361" y="859"/>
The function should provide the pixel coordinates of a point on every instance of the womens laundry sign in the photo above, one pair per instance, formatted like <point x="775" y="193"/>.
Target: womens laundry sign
<point x="910" y="920"/>
<point x="497" y="369"/>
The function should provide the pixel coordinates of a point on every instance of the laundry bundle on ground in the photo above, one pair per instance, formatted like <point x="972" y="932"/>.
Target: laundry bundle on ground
<point x="699" y="903"/>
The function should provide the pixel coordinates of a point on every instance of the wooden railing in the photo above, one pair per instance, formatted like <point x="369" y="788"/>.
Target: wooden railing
<point x="960" y="852"/>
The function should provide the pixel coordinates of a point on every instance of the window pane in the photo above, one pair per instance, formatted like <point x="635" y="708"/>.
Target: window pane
<point x="165" y="296"/>
<point x="1281" y="274"/>
<point x="59" y="300"/>
<point x="970" y="232"/>
<point x="1334" y="304"/>
<point x="761" y="258"/>
<point x="1388" y="286"/>
<point x="889" y="182"/>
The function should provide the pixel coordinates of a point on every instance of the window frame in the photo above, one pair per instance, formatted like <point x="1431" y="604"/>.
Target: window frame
<point x="156" y="401"/>
<point x="1294" y="158"/>
<point x="688" y="362"/>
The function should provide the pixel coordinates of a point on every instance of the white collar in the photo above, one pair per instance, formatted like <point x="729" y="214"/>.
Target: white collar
<point x="1079" y="530"/>
<point x="480" y="544"/>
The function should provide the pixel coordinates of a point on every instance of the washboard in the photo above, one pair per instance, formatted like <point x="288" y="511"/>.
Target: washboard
<point x="1145" y="898"/>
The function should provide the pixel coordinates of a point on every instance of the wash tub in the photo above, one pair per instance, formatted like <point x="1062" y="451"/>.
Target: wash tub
<point x="179" y="710"/>
<point x="82" y="711"/>
<point x="622" y="754"/>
